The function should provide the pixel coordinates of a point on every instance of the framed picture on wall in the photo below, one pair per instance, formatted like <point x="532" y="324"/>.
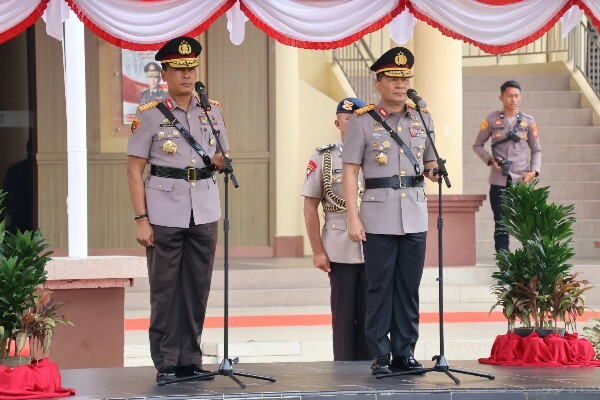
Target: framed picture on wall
<point x="140" y="81"/>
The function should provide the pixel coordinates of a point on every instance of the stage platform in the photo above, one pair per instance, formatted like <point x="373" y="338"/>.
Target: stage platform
<point x="343" y="380"/>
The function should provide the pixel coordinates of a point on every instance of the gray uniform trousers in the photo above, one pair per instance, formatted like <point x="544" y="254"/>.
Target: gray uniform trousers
<point x="180" y="266"/>
<point x="348" y="308"/>
<point x="394" y="267"/>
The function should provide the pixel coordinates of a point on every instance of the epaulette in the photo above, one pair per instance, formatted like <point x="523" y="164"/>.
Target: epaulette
<point x="327" y="147"/>
<point x="214" y="103"/>
<point x="411" y="104"/>
<point x="148" y="105"/>
<point x="365" y="109"/>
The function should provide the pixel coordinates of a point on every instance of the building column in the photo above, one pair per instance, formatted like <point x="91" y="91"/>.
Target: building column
<point x="74" y="53"/>
<point x="288" y="214"/>
<point x="438" y="80"/>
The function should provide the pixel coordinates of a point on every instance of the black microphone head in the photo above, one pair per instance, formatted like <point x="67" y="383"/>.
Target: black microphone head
<point x="411" y="92"/>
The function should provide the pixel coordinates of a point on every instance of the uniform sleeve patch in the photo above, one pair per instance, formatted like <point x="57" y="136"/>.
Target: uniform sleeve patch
<point x="310" y="168"/>
<point x="534" y="130"/>
<point x="484" y="125"/>
<point x="135" y="124"/>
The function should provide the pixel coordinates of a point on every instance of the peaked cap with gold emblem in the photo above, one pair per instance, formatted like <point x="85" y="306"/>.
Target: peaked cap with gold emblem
<point x="181" y="52"/>
<point x="152" y="69"/>
<point x="395" y="62"/>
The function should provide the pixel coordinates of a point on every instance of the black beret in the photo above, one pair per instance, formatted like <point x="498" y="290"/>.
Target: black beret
<point x="349" y="104"/>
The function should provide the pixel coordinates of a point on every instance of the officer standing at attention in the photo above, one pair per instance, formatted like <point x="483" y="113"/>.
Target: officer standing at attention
<point x="153" y="91"/>
<point x="334" y="252"/>
<point x="176" y="209"/>
<point x="393" y="215"/>
<point x="512" y="133"/>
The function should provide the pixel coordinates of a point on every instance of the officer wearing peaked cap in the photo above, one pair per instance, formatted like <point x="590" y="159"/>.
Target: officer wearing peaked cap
<point x="333" y="251"/>
<point x="176" y="208"/>
<point x="153" y="91"/>
<point x="392" y="223"/>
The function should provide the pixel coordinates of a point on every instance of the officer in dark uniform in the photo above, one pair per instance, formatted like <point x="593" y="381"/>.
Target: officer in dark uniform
<point x="176" y="209"/>
<point x="154" y="91"/>
<point x="514" y="135"/>
<point x="333" y="251"/>
<point x="393" y="212"/>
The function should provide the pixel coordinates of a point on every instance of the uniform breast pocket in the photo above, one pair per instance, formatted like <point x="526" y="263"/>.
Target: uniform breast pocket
<point x="162" y="184"/>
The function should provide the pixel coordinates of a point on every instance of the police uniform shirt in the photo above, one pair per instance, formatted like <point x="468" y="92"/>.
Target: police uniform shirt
<point x="170" y="201"/>
<point x="146" y="95"/>
<point x="338" y="246"/>
<point x="386" y="210"/>
<point x="496" y="125"/>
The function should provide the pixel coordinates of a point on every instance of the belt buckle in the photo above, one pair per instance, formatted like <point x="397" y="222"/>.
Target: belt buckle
<point x="402" y="185"/>
<point x="190" y="179"/>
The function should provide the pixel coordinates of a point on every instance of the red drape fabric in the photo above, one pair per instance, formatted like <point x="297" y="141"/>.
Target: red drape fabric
<point x="34" y="381"/>
<point x="550" y="351"/>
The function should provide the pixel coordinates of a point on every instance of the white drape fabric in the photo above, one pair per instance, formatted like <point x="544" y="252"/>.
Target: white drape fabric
<point x="486" y="24"/>
<point x="15" y="16"/>
<point x="493" y="25"/>
<point x="142" y="23"/>
<point x="56" y="13"/>
<point x="317" y="21"/>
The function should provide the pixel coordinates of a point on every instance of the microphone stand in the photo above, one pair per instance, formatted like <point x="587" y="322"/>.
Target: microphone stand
<point x="441" y="364"/>
<point x="226" y="366"/>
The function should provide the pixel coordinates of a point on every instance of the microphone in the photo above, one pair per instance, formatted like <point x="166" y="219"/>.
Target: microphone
<point x="200" y="89"/>
<point x="412" y="94"/>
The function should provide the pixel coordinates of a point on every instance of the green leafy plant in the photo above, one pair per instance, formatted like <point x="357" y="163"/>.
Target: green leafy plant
<point x="536" y="278"/>
<point x="592" y="333"/>
<point x="23" y="257"/>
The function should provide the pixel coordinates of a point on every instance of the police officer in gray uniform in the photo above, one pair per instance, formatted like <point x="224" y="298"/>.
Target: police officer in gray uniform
<point x="513" y="133"/>
<point x="393" y="213"/>
<point x="334" y="252"/>
<point x="153" y="91"/>
<point x="176" y="209"/>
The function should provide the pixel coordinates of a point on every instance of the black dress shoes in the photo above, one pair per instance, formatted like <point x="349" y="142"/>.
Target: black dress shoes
<point x="407" y="363"/>
<point x="193" y="370"/>
<point x="166" y="374"/>
<point x="381" y="365"/>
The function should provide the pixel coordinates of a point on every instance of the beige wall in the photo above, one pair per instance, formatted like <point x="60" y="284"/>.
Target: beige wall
<point x="438" y="80"/>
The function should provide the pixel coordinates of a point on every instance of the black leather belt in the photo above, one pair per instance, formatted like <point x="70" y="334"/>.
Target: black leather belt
<point x="395" y="182"/>
<point x="189" y="174"/>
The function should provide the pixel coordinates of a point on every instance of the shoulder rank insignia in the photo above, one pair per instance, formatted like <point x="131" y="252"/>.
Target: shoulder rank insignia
<point x="364" y="109"/>
<point x="148" y="105"/>
<point x="327" y="147"/>
<point x="412" y="105"/>
<point x="214" y="103"/>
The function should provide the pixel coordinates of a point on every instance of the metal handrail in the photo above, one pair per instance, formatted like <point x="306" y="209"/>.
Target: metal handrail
<point x="581" y="47"/>
<point x="584" y="53"/>
<point x="354" y="60"/>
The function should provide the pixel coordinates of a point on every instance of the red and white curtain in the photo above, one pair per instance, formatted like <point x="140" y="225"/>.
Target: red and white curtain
<point x="496" y="26"/>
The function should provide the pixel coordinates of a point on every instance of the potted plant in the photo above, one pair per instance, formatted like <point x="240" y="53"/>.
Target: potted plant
<point x="535" y="283"/>
<point x="23" y="257"/>
<point x="592" y="333"/>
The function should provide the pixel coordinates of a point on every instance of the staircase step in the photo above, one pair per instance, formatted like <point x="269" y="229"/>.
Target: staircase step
<point x="552" y="173"/>
<point x="584" y="210"/>
<point x="528" y="82"/>
<point x="543" y="117"/>
<point x="584" y="248"/>
<point x="551" y="154"/>
<point x="566" y="191"/>
<point x="533" y="100"/>
<point x="585" y="229"/>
